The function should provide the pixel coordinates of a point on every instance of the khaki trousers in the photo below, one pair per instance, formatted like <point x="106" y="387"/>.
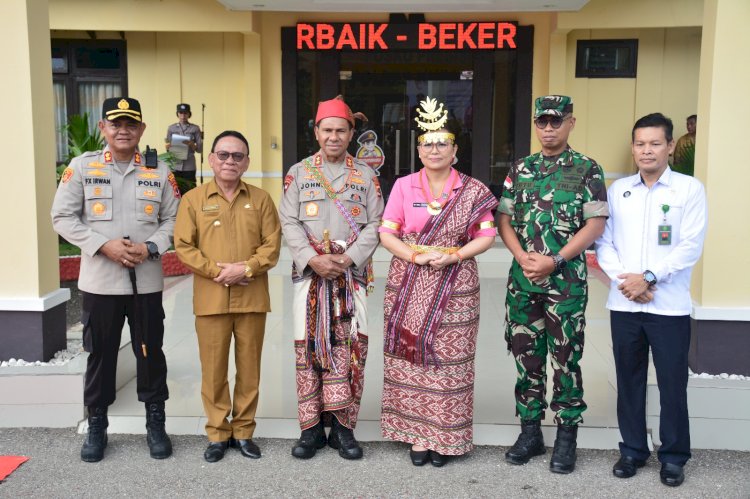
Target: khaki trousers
<point x="214" y="337"/>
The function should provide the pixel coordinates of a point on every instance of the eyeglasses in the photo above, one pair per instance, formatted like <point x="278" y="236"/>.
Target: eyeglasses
<point x="556" y="121"/>
<point x="236" y="156"/>
<point x="441" y="146"/>
<point x="130" y="126"/>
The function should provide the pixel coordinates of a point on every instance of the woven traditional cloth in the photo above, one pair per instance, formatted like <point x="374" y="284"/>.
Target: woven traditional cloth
<point x="432" y="403"/>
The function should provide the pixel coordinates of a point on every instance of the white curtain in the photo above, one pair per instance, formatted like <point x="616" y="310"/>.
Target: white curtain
<point x="90" y="98"/>
<point x="61" y="118"/>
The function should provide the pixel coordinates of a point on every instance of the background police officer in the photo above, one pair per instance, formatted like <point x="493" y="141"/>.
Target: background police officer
<point x="121" y="213"/>
<point x="553" y="207"/>
<point x="186" y="168"/>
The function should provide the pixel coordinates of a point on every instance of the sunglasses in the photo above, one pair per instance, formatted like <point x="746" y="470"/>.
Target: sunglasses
<point x="236" y="156"/>
<point x="556" y="121"/>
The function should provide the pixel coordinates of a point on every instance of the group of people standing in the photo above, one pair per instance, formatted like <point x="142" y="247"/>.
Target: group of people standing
<point x="554" y="206"/>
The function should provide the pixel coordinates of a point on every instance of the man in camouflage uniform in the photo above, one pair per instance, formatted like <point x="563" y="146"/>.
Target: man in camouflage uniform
<point x="553" y="207"/>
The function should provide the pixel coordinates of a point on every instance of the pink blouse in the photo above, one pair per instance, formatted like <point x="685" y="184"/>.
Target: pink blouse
<point x="407" y="208"/>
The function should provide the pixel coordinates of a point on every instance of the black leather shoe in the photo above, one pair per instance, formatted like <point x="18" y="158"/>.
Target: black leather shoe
<point x="671" y="474"/>
<point x="530" y="443"/>
<point x="92" y="450"/>
<point x="419" y="457"/>
<point x="215" y="451"/>
<point x="309" y="442"/>
<point x="438" y="459"/>
<point x="626" y="467"/>
<point x="563" y="458"/>
<point x="342" y="438"/>
<point x="247" y="447"/>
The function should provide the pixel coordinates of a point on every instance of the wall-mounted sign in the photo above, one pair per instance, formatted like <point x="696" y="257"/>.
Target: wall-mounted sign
<point x="421" y="36"/>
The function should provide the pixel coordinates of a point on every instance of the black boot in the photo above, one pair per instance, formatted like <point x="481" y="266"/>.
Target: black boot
<point x="342" y="438"/>
<point x="530" y="443"/>
<point x="564" y="454"/>
<point x="159" y="444"/>
<point x="92" y="450"/>
<point x="309" y="442"/>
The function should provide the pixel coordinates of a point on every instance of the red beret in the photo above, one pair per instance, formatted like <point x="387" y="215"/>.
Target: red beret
<point x="334" y="108"/>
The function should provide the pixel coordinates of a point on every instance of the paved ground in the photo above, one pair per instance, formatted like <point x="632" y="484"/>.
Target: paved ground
<point x="55" y="470"/>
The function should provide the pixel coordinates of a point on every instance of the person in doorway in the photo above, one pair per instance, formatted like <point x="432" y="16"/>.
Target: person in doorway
<point x="228" y="234"/>
<point x="120" y="211"/>
<point x="436" y="221"/>
<point x="684" y="150"/>
<point x="186" y="168"/>
<point x="651" y="242"/>
<point x="553" y="207"/>
<point x="330" y="212"/>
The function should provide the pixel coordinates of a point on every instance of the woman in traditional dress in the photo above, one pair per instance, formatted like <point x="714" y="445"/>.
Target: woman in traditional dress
<point x="436" y="221"/>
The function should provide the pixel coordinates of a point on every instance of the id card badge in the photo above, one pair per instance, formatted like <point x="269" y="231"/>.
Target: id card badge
<point x="665" y="235"/>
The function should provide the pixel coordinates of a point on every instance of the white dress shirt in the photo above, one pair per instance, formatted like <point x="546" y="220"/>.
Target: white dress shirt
<point x="630" y="243"/>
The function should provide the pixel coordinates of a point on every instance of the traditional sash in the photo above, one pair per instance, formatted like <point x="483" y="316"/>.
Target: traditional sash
<point x="427" y="304"/>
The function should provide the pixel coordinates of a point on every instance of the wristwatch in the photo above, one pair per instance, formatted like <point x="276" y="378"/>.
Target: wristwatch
<point x="153" y="250"/>
<point x="649" y="277"/>
<point x="248" y="271"/>
<point x="560" y="262"/>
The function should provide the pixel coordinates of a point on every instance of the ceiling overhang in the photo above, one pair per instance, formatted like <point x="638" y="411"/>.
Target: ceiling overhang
<point x="405" y="6"/>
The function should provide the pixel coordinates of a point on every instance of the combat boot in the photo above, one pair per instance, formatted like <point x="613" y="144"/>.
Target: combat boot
<point x="530" y="443"/>
<point x="159" y="444"/>
<point x="309" y="442"/>
<point x="92" y="450"/>
<point x="564" y="454"/>
<point x="342" y="438"/>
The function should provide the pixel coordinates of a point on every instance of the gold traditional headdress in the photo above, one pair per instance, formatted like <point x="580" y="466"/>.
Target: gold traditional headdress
<point x="431" y="119"/>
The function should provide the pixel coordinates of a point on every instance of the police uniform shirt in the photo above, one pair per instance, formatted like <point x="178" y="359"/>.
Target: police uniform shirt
<point x="305" y="203"/>
<point x="189" y="130"/>
<point x="96" y="202"/>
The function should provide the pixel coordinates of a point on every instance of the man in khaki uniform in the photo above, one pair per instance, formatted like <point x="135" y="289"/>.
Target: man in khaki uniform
<point x="120" y="211"/>
<point x="228" y="234"/>
<point x="330" y="214"/>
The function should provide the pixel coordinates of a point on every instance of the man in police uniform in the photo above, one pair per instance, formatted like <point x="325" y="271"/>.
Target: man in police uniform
<point x="186" y="168"/>
<point x="330" y="213"/>
<point x="120" y="212"/>
<point x="553" y="207"/>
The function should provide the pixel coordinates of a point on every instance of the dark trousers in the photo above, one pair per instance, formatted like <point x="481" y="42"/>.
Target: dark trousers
<point x="669" y="339"/>
<point x="103" y="317"/>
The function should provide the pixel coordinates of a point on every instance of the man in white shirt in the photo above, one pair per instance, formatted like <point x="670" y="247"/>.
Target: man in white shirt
<point x="652" y="239"/>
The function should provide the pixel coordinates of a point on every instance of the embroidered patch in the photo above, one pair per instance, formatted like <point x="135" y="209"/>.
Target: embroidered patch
<point x="67" y="174"/>
<point x="96" y="173"/>
<point x="356" y="197"/>
<point x="312" y="194"/>
<point x="356" y="211"/>
<point x="99" y="209"/>
<point x="357" y="173"/>
<point x="148" y="209"/>
<point x="377" y="186"/>
<point x="137" y="159"/>
<point x="107" y="156"/>
<point x="149" y="193"/>
<point x="148" y="175"/>
<point x="288" y="181"/>
<point x="173" y="182"/>
<point x="355" y="180"/>
<point x="97" y="191"/>
<point x="96" y="164"/>
<point x="508" y="182"/>
<point x="311" y="210"/>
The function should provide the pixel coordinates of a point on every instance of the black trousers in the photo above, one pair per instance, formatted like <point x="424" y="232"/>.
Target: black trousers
<point x="668" y="337"/>
<point x="103" y="317"/>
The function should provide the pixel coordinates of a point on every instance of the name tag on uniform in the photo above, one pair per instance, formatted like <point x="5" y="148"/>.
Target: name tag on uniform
<point x="210" y="207"/>
<point x="419" y="205"/>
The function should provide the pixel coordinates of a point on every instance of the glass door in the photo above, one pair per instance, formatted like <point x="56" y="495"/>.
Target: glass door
<point x="388" y="91"/>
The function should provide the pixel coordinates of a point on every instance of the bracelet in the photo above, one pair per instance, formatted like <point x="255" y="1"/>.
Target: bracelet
<point x="414" y="257"/>
<point x="460" y="258"/>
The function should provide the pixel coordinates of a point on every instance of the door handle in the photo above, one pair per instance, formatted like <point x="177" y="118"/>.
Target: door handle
<point x="412" y="149"/>
<point x="397" y="151"/>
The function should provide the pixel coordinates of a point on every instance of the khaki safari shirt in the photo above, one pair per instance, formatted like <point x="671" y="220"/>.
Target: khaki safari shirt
<point x="549" y="202"/>
<point x="96" y="202"/>
<point x="210" y="230"/>
<point x="306" y="206"/>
